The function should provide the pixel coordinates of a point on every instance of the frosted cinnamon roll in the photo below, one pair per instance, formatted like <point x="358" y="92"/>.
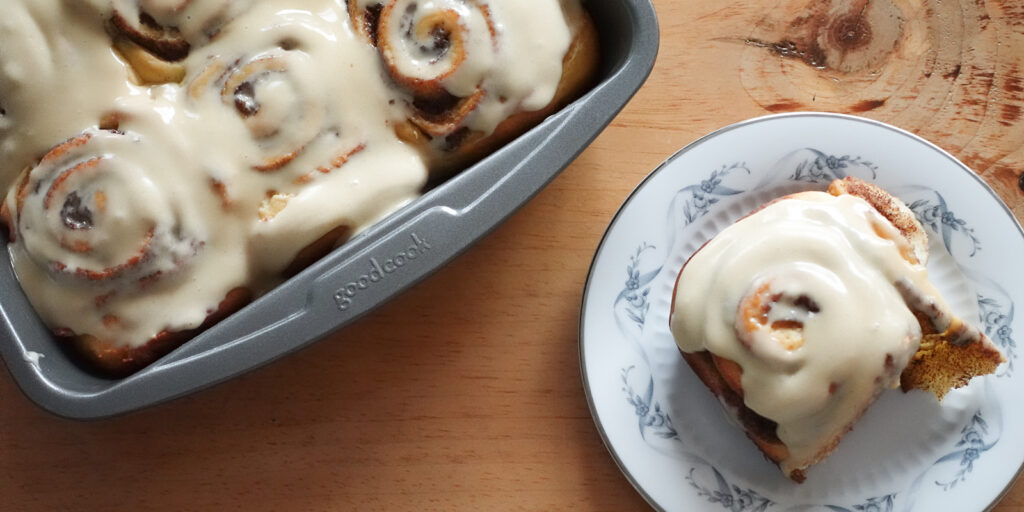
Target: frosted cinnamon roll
<point x="452" y="60"/>
<point x="314" y="169"/>
<point x="95" y="218"/>
<point x="800" y="314"/>
<point x="86" y="213"/>
<point x="284" y="114"/>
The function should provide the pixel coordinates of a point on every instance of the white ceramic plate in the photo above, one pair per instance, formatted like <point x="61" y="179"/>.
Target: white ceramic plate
<point x="669" y="434"/>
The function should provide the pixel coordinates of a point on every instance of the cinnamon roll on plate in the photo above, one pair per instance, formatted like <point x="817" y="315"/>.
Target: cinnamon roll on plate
<point x="797" y="316"/>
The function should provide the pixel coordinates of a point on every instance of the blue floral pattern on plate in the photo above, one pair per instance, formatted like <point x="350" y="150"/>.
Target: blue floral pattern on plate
<point x="936" y="215"/>
<point x="651" y="418"/>
<point x="996" y="319"/>
<point x="729" y="497"/>
<point x="823" y="168"/>
<point x="636" y="291"/>
<point x="972" y="444"/>
<point x="699" y="198"/>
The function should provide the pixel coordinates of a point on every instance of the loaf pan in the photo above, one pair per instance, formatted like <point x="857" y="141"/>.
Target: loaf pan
<point x="359" y="276"/>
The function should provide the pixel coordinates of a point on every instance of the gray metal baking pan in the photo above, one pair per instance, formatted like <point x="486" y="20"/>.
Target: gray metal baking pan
<point x="361" y="275"/>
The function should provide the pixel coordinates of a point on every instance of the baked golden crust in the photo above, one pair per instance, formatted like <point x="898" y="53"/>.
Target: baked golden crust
<point x="117" y="361"/>
<point x="945" y="362"/>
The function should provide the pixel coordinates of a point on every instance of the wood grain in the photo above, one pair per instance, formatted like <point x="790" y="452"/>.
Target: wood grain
<point x="465" y="393"/>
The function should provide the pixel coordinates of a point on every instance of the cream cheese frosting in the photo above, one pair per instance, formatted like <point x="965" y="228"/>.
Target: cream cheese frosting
<point x="809" y="296"/>
<point x="282" y="128"/>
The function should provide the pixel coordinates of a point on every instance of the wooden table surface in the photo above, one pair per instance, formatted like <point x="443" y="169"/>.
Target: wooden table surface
<point x="465" y="393"/>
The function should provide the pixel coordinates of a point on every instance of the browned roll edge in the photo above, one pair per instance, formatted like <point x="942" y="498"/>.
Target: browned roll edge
<point x="115" y="361"/>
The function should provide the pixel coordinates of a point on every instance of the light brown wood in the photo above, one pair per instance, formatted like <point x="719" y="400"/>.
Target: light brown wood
<point x="465" y="393"/>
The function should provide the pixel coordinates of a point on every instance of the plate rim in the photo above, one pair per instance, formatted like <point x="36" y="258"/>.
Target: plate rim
<point x="585" y="380"/>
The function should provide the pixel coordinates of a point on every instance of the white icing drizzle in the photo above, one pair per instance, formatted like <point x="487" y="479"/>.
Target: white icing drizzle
<point x="49" y="50"/>
<point x="818" y="261"/>
<point x="282" y="129"/>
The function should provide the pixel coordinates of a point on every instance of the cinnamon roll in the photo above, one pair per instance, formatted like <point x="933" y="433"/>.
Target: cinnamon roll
<point x="88" y="215"/>
<point x="153" y="51"/>
<point x="293" y="140"/>
<point x="281" y="114"/>
<point x="448" y="56"/>
<point x="96" y="219"/>
<point x="315" y="169"/>
<point x="800" y="314"/>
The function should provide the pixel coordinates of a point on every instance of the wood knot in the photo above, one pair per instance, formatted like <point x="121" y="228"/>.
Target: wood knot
<point x="854" y="38"/>
<point x="850" y="32"/>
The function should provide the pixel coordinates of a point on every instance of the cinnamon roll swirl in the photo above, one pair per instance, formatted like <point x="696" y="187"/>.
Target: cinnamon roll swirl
<point x="85" y="214"/>
<point x="448" y="56"/>
<point x="315" y="165"/>
<point x="153" y="51"/>
<point x="294" y="140"/>
<point x="96" y="218"/>
<point x="800" y="314"/>
<point x="284" y="114"/>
